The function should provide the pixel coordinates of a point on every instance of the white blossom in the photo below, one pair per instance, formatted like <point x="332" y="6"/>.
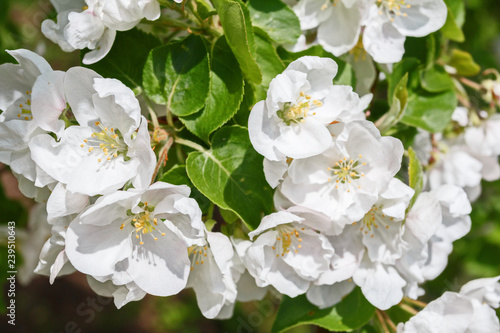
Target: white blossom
<point x="288" y="253"/>
<point x="211" y="276"/>
<point x="110" y="146"/>
<point x="93" y="24"/>
<point x="138" y="236"/>
<point x="470" y="311"/>
<point x="21" y="92"/>
<point x="344" y="181"/>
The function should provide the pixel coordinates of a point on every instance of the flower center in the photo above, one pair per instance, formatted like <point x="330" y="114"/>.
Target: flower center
<point x="328" y="2"/>
<point x="144" y="223"/>
<point x="358" y="51"/>
<point x="345" y="171"/>
<point x="197" y="255"/>
<point x="373" y="219"/>
<point x="288" y="238"/>
<point x="25" y="107"/>
<point x="106" y="144"/>
<point x="394" y="7"/>
<point x="296" y="113"/>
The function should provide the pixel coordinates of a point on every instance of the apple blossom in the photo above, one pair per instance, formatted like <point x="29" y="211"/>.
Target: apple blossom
<point x="143" y="234"/>
<point x="93" y="24"/>
<point x="20" y="90"/>
<point x="388" y="23"/>
<point x="210" y="276"/>
<point x="288" y="253"/>
<point x="329" y="17"/>
<point x="466" y="311"/>
<point x="110" y="146"/>
<point x="301" y="102"/>
<point x="344" y="181"/>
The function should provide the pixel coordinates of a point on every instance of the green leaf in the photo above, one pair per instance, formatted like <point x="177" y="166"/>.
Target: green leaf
<point x="415" y="176"/>
<point x="424" y="109"/>
<point x="231" y="175"/>
<point x="269" y="62"/>
<point x="451" y="30"/>
<point x="123" y="64"/>
<point x="463" y="63"/>
<point x="205" y="9"/>
<point x="345" y="75"/>
<point x="436" y="79"/>
<point x="177" y="75"/>
<point x="225" y="93"/>
<point x="276" y="19"/>
<point x="241" y="117"/>
<point x="398" y="107"/>
<point x="431" y="112"/>
<point x="177" y="175"/>
<point x="351" y="313"/>
<point x="457" y="8"/>
<point x="406" y="66"/>
<point x="228" y="216"/>
<point x="235" y="20"/>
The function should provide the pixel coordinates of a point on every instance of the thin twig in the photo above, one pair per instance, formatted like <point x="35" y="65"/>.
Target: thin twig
<point x="381" y="320"/>
<point x="420" y="304"/>
<point x="162" y="157"/>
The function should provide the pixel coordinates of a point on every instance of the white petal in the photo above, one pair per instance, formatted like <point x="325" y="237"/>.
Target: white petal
<point x="422" y="18"/>
<point x="33" y="65"/>
<point x="95" y="250"/>
<point x="381" y="285"/>
<point x="48" y="101"/>
<point x="102" y="48"/>
<point x="78" y="88"/>
<point x="382" y="41"/>
<point x="263" y="130"/>
<point x="160" y="267"/>
<point x="341" y="31"/>
<point x="326" y="296"/>
<point x="116" y="105"/>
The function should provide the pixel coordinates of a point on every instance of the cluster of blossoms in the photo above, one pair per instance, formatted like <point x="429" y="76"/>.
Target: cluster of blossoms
<point x="343" y="218"/>
<point x="470" y="310"/>
<point x="79" y="142"/>
<point x="372" y="30"/>
<point x="464" y="154"/>
<point x="382" y="25"/>
<point x="93" y="24"/>
<point x="345" y="215"/>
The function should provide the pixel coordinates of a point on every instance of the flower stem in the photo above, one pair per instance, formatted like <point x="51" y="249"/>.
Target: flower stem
<point x="414" y="302"/>
<point x="162" y="157"/>
<point x="408" y="308"/>
<point x="381" y="320"/>
<point x="191" y="144"/>
<point x="470" y="83"/>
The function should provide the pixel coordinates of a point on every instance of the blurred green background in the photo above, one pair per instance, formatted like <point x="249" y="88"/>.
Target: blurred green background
<point x="70" y="306"/>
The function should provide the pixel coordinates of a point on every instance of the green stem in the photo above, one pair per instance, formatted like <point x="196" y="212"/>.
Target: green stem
<point x="408" y="308"/>
<point x="414" y="302"/>
<point x="190" y="144"/>
<point x="380" y="319"/>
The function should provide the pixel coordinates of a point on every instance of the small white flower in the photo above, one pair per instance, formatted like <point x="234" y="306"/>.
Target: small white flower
<point x="437" y="219"/>
<point x="143" y="233"/>
<point x="20" y="93"/>
<point x="468" y="311"/>
<point x="388" y="22"/>
<point x="344" y="181"/>
<point x="211" y="276"/>
<point x="338" y="22"/>
<point x="292" y="120"/>
<point x="93" y="24"/>
<point x="122" y="294"/>
<point x="110" y="147"/>
<point x="288" y="253"/>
